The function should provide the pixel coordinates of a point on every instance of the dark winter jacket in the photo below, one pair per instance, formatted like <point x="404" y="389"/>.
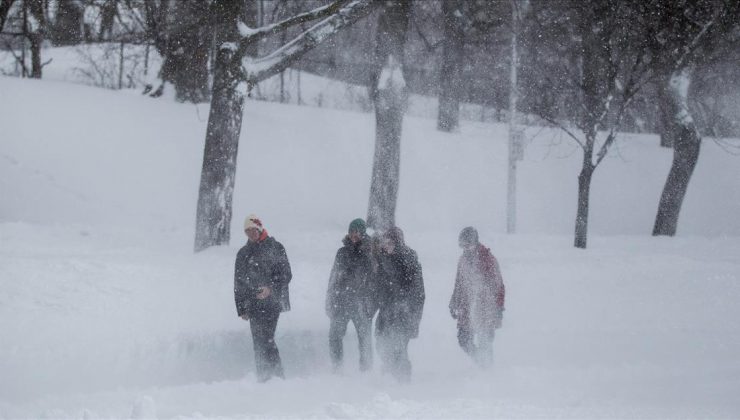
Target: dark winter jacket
<point x="350" y="283"/>
<point x="478" y="298"/>
<point x="258" y="264"/>
<point x="400" y="291"/>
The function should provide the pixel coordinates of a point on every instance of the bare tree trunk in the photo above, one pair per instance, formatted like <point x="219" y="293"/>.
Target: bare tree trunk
<point x="283" y="40"/>
<point x="389" y="94"/>
<point x="584" y="192"/>
<point x="36" y="35"/>
<point x="185" y="65"/>
<point x="5" y="6"/>
<point x="121" y="52"/>
<point x="213" y="217"/>
<point x="516" y="145"/>
<point x="36" y="39"/>
<point x="183" y="36"/>
<point x="686" y="142"/>
<point x="448" y="118"/>
<point x="67" y="27"/>
<point x="108" y="12"/>
<point x="597" y="80"/>
<point x="664" y="113"/>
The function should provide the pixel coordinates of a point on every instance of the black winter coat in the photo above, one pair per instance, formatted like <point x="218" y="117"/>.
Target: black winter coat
<point x="400" y="292"/>
<point x="259" y="264"/>
<point x="351" y="286"/>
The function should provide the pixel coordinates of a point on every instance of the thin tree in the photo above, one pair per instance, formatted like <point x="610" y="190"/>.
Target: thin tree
<point x="591" y="62"/>
<point x="34" y="27"/>
<point x="389" y="94"/>
<point x="235" y="73"/>
<point x="687" y="33"/>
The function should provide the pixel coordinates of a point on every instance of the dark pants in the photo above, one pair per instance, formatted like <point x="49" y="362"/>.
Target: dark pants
<point x="266" y="355"/>
<point x="337" y="330"/>
<point x="393" y="345"/>
<point x="477" y="344"/>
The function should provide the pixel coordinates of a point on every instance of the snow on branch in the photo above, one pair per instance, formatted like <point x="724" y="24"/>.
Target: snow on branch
<point x="258" y="69"/>
<point x="253" y="35"/>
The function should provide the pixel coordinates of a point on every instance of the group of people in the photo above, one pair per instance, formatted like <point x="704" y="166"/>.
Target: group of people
<point x="371" y="275"/>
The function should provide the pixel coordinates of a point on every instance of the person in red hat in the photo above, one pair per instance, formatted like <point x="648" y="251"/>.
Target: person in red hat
<point x="477" y="302"/>
<point x="261" y="276"/>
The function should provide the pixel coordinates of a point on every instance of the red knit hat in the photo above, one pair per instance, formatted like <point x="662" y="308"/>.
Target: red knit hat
<point x="252" y="221"/>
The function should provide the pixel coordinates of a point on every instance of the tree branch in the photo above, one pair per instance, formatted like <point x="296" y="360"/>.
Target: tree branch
<point x="690" y="48"/>
<point x="256" y="70"/>
<point x="630" y="90"/>
<point x="250" y="36"/>
<point x="565" y="129"/>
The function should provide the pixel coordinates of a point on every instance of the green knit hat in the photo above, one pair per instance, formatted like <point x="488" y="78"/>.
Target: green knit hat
<point x="358" y="225"/>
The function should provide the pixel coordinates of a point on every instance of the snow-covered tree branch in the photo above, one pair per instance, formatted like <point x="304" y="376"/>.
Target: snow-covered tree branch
<point x="258" y="69"/>
<point x="251" y="36"/>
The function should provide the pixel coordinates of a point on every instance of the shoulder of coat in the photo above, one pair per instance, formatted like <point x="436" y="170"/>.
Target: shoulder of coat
<point x="242" y="250"/>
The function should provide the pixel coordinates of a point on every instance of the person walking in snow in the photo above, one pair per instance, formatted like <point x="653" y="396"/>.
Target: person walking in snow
<point x="477" y="301"/>
<point x="401" y="302"/>
<point x="261" y="278"/>
<point x="351" y="296"/>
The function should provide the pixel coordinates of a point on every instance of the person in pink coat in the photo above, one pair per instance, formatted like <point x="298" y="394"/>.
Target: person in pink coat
<point x="477" y="302"/>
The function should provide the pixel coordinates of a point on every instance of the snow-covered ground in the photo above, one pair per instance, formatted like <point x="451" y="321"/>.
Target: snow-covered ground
<point x="106" y="312"/>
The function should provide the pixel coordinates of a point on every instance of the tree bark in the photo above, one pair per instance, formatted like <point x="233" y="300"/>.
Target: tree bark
<point x="214" y="211"/>
<point x="36" y="35"/>
<point x="108" y="12"/>
<point x="686" y="142"/>
<point x="664" y="113"/>
<point x="67" y="27"/>
<point x="584" y="192"/>
<point x="186" y="65"/>
<point x="598" y="78"/>
<point x="448" y="118"/>
<point x="36" y="39"/>
<point x="5" y="6"/>
<point x="389" y="94"/>
<point x="184" y="37"/>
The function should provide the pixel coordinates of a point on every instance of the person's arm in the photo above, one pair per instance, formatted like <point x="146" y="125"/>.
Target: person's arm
<point x="240" y="290"/>
<point x="499" y="288"/>
<point x="280" y="273"/>
<point x="333" y="278"/>
<point x="456" y="293"/>
<point x="499" y="293"/>
<point x="418" y="296"/>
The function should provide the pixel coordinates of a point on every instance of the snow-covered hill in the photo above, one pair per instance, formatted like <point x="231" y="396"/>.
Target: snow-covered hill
<point x="105" y="311"/>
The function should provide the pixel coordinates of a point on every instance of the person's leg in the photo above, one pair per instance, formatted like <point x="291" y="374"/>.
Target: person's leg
<point x="271" y="350"/>
<point x="363" y="326"/>
<point x="465" y="337"/>
<point x="337" y="330"/>
<point x="383" y="345"/>
<point x="403" y="363"/>
<point x="257" y="327"/>
<point x="485" y="348"/>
